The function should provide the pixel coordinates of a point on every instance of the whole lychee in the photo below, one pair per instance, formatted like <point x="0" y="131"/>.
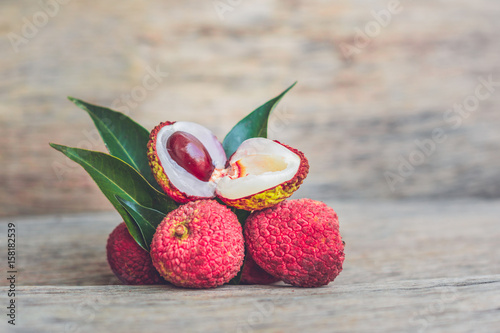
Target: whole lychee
<point x="198" y="245"/>
<point x="129" y="262"/>
<point x="254" y="274"/>
<point x="297" y="241"/>
<point x="189" y="163"/>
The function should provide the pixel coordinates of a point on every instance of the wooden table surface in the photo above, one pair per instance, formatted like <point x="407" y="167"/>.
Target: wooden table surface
<point x="410" y="267"/>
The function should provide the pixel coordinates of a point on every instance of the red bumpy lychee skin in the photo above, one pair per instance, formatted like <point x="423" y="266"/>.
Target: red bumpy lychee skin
<point x="129" y="262"/>
<point x="199" y="245"/>
<point x="254" y="274"/>
<point x="297" y="241"/>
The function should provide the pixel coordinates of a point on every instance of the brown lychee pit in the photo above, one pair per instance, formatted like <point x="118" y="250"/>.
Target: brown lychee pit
<point x="187" y="151"/>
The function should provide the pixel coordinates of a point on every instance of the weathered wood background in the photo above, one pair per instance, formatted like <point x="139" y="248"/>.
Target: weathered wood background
<point x="356" y="117"/>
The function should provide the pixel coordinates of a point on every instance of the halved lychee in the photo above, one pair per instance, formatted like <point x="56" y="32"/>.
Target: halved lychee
<point x="189" y="163"/>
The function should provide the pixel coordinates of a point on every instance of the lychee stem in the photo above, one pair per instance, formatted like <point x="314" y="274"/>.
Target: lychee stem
<point x="180" y="230"/>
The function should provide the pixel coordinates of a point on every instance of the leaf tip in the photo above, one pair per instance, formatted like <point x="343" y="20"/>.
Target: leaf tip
<point x="78" y="102"/>
<point x="288" y="89"/>
<point x="75" y="101"/>
<point x="56" y="146"/>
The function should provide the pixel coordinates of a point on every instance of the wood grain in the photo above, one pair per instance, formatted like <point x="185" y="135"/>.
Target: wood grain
<point x="353" y="117"/>
<point x="384" y="242"/>
<point x="410" y="266"/>
<point x="435" y="305"/>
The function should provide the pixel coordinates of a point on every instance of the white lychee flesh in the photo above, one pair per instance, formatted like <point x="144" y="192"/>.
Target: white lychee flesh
<point x="258" y="164"/>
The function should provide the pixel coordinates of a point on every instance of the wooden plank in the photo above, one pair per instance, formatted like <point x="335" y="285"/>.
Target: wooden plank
<point x="410" y="266"/>
<point x="384" y="241"/>
<point x="451" y="305"/>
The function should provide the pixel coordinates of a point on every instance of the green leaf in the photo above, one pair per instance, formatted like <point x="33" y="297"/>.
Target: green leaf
<point x="241" y="214"/>
<point x="135" y="231"/>
<point x="252" y="126"/>
<point x="123" y="137"/>
<point x="146" y="219"/>
<point x="115" y="177"/>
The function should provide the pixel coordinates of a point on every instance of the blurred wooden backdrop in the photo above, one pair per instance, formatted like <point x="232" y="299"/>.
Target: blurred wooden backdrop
<point x="377" y="81"/>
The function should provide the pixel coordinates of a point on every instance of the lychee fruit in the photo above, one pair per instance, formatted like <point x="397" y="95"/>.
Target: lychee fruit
<point x="190" y="164"/>
<point x="254" y="274"/>
<point x="297" y="241"/>
<point x="129" y="262"/>
<point x="199" y="245"/>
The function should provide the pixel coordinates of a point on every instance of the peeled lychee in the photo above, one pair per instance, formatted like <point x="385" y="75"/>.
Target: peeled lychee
<point x="297" y="241"/>
<point x="129" y="262"/>
<point x="198" y="245"/>
<point x="262" y="173"/>
<point x="254" y="274"/>
<point x="176" y="163"/>
<point x="190" y="164"/>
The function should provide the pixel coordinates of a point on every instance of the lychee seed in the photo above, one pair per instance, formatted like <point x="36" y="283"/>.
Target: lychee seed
<point x="187" y="151"/>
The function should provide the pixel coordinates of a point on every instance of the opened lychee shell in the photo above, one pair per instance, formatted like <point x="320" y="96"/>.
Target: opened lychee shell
<point x="273" y="195"/>
<point x="179" y="184"/>
<point x="189" y="163"/>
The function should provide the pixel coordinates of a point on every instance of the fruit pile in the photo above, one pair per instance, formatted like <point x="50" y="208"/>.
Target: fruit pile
<point x="199" y="213"/>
